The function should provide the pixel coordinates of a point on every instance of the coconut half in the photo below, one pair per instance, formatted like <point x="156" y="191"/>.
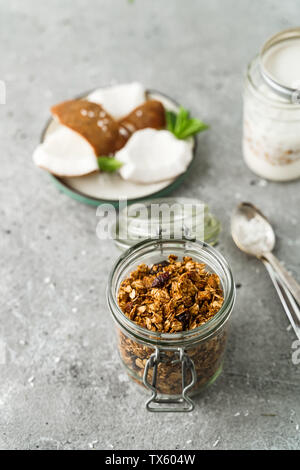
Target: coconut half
<point x="152" y="155"/>
<point x="66" y="153"/>
<point x="119" y="100"/>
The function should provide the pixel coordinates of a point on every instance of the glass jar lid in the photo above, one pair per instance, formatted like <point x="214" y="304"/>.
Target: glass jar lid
<point x="167" y="218"/>
<point x="280" y="65"/>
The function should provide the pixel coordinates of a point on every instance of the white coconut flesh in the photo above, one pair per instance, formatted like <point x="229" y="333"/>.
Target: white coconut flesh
<point x="119" y="100"/>
<point x="65" y="153"/>
<point x="150" y="156"/>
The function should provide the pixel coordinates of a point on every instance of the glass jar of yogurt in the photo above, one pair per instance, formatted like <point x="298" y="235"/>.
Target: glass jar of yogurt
<point x="271" y="134"/>
<point x="173" y="366"/>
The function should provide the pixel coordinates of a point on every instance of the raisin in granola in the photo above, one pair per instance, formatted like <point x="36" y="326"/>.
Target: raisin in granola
<point x="171" y="295"/>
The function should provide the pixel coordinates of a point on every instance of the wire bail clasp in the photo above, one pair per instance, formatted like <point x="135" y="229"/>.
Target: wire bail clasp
<point x="181" y="403"/>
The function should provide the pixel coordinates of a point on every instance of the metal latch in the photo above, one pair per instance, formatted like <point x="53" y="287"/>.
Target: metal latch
<point x="157" y="402"/>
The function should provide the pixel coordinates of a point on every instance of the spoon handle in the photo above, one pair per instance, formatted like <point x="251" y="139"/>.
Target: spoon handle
<point x="286" y="278"/>
<point x="288" y="303"/>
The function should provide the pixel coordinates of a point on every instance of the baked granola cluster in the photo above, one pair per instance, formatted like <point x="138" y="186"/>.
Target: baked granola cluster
<point x="207" y="357"/>
<point x="171" y="296"/>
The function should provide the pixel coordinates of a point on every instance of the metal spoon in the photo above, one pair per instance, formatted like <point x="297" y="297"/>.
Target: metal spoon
<point x="253" y="234"/>
<point x="286" y="299"/>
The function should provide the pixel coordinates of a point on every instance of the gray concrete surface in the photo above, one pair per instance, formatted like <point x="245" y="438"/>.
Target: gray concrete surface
<point x="62" y="385"/>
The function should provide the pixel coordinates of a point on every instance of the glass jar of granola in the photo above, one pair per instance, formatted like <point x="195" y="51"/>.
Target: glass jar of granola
<point x="271" y="135"/>
<point x="175" y="356"/>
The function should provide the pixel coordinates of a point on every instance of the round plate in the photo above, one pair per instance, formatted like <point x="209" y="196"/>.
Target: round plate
<point x="106" y="188"/>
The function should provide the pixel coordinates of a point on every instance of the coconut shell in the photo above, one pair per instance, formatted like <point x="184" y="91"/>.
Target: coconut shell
<point x="93" y="123"/>
<point x="150" y="114"/>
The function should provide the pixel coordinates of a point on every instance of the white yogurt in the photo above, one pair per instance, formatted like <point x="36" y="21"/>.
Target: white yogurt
<point x="282" y="62"/>
<point x="271" y="137"/>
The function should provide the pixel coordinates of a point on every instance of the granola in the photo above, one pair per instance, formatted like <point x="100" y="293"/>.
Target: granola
<point x="171" y="296"/>
<point x="207" y="357"/>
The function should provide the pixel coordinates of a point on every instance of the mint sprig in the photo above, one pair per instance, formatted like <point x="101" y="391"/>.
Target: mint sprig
<point x="182" y="126"/>
<point x="109" y="164"/>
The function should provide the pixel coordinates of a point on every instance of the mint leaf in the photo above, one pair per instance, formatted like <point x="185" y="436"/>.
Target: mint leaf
<point x="182" y="120"/>
<point x="192" y="127"/>
<point x="109" y="164"/>
<point x="182" y="126"/>
<point x="171" y="120"/>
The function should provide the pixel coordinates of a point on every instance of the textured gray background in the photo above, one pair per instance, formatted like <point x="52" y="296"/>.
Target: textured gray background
<point x="62" y="385"/>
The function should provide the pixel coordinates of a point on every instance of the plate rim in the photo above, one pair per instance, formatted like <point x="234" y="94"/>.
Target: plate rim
<point x="81" y="197"/>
